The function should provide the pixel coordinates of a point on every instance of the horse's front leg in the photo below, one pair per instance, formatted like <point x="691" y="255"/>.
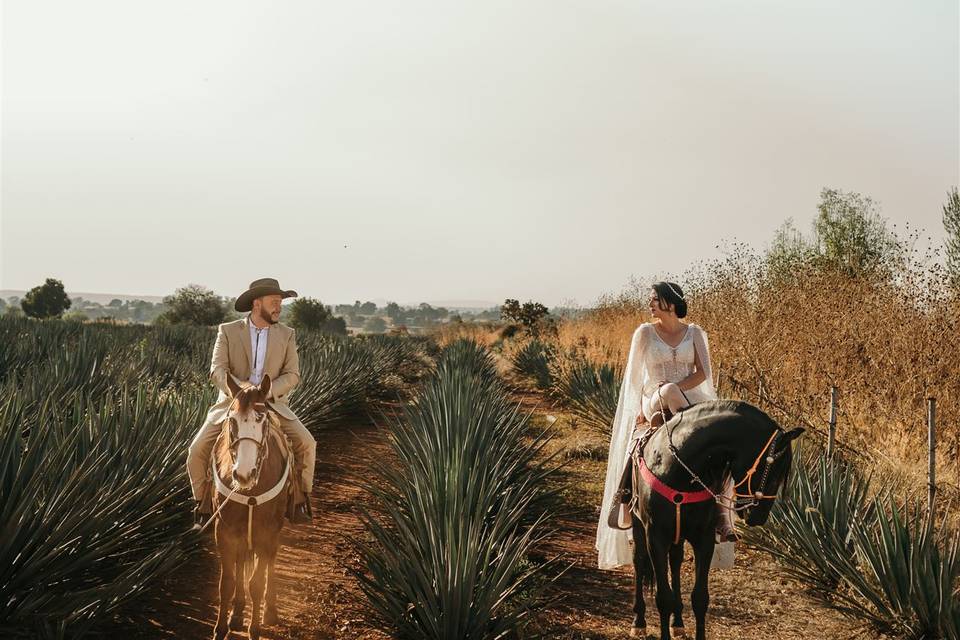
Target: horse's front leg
<point x="676" y="559"/>
<point x="658" y="549"/>
<point x="239" y="598"/>
<point x="270" y="616"/>
<point x="700" y="599"/>
<point x="228" y="567"/>
<point x="641" y="569"/>
<point x="257" y="583"/>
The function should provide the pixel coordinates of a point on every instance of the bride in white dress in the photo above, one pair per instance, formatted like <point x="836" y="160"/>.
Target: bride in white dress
<point x="668" y="369"/>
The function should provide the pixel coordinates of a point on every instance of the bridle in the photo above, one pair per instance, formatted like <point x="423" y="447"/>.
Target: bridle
<point x="262" y="444"/>
<point x="741" y="501"/>
<point x="250" y="501"/>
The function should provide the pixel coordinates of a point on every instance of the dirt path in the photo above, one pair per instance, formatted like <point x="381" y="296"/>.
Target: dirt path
<point x="316" y="595"/>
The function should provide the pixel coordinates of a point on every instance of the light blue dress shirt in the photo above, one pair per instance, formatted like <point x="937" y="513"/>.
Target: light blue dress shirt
<point x="258" y="344"/>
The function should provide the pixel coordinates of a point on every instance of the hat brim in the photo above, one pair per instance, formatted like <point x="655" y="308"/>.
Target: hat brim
<point x="244" y="303"/>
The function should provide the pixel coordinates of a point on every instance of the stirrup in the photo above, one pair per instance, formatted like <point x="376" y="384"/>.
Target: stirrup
<point x="618" y="516"/>
<point x="302" y="513"/>
<point x="199" y="517"/>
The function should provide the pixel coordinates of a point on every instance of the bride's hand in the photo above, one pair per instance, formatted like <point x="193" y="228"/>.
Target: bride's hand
<point x="641" y="420"/>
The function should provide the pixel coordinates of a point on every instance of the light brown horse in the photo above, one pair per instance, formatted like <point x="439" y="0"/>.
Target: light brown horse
<point x="252" y="475"/>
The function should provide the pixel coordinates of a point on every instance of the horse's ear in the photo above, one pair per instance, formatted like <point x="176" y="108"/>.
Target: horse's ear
<point x="232" y="386"/>
<point x="793" y="434"/>
<point x="265" y="386"/>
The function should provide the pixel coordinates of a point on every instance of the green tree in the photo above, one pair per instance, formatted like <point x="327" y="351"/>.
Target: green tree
<point x="393" y="310"/>
<point x="193" y="304"/>
<point x="48" y="300"/>
<point x="335" y="325"/>
<point x="850" y="235"/>
<point x="951" y="223"/>
<point x="375" y="324"/>
<point x="788" y="250"/>
<point x="368" y="308"/>
<point x="529" y="314"/>
<point x="308" y="313"/>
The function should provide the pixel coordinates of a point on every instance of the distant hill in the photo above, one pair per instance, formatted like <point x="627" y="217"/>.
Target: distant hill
<point x="99" y="298"/>
<point x="457" y="305"/>
<point x="105" y="298"/>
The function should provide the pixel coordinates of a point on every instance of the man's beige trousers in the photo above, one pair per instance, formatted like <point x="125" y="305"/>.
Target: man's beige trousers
<point x="199" y="463"/>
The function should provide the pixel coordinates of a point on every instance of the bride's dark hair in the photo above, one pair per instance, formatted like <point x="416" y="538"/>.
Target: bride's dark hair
<point x="671" y="293"/>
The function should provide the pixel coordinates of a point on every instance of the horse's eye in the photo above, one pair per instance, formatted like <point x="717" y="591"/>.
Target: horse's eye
<point x="259" y="416"/>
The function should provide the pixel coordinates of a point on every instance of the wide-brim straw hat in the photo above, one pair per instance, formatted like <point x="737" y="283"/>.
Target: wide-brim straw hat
<point x="261" y="287"/>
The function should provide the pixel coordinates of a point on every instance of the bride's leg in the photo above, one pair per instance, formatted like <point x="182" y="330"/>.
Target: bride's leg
<point x="673" y="397"/>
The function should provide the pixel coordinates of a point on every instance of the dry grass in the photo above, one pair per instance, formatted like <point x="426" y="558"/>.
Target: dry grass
<point x="888" y="342"/>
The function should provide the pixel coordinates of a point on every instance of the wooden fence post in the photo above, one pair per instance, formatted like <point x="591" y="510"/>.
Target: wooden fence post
<point x="932" y="457"/>
<point x="832" y="433"/>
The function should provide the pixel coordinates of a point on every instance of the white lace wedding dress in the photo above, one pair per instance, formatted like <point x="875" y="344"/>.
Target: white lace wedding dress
<point x="650" y="361"/>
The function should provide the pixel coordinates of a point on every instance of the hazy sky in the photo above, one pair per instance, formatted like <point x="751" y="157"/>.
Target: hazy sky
<point x="413" y="150"/>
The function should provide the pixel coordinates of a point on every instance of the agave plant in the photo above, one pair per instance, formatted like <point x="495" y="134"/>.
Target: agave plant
<point x="590" y="391"/>
<point x="533" y="360"/>
<point x="910" y="575"/>
<point x="457" y="516"/>
<point x="94" y="502"/>
<point x="810" y="530"/>
<point x="868" y="558"/>
<point x="94" y="424"/>
<point x="336" y="377"/>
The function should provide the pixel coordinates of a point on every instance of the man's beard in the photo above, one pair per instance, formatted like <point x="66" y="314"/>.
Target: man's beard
<point x="267" y="317"/>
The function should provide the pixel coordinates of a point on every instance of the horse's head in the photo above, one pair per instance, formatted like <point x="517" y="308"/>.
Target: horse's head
<point x="770" y="469"/>
<point x="245" y="430"/>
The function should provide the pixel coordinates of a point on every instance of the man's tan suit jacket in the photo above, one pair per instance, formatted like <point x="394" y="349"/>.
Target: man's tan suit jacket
<point x="233" y="355"/>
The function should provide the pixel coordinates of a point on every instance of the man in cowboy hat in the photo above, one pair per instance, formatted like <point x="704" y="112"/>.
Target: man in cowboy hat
<point x="247" y="349"/>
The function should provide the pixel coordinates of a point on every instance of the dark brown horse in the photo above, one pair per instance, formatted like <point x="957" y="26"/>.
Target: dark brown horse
<point x="252" y="474"/>
<point x="691" y="454"/>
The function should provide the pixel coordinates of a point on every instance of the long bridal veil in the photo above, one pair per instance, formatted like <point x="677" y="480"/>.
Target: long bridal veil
<point x="614" y="546"/>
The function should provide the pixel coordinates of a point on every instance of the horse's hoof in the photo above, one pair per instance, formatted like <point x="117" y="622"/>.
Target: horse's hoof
<point x="236" y="621"/>
<point x="270" y="618"/>
<point x="254" y="632"/>
<point x="638" y="632"/>
<point x="678" y="632"/>
<point x="219" y="633"/>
